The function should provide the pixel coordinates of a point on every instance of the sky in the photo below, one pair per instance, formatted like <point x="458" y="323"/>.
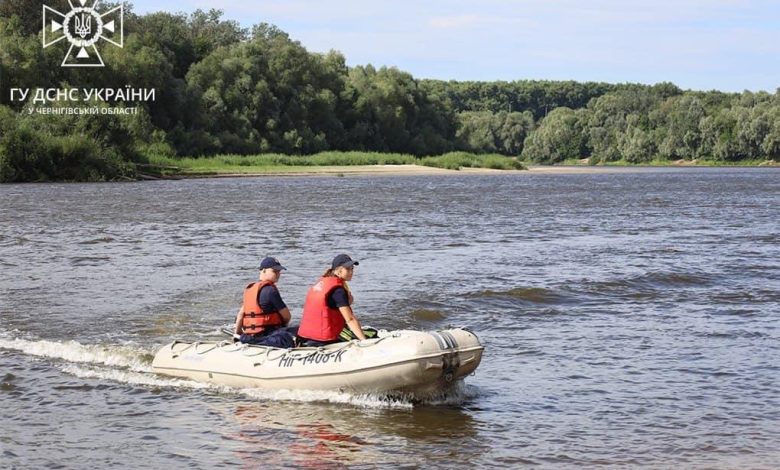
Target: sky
<point x="727" y="45"/>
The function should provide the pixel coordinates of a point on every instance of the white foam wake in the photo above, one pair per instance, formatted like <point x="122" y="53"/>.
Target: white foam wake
<point x="132" y="378"/>
<point x="73" y="351"/>
<point x="314" y="396"/>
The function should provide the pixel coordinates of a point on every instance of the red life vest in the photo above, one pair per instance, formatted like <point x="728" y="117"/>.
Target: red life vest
<point x="320" y="322"/>
<point x="255" y="319"/>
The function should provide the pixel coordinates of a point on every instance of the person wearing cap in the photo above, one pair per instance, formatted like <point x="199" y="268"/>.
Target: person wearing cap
<point x="263" y="311"/>
<point x="327" y="309"/>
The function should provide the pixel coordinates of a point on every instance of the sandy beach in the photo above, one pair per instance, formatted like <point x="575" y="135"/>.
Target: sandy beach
<point x="413" y="170"/>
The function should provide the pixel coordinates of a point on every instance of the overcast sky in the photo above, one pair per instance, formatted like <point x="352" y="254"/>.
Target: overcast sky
<point x="729" y="45"/>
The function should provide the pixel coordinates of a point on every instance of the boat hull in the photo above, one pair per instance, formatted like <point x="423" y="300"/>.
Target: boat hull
<point x="398" y="362"/>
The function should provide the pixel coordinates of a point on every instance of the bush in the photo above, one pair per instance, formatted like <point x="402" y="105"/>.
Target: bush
<point x="78" y="158"/>
<point x="27" y="154"/>
<point x="458" y="160"/>
<point x="24" y="156"/>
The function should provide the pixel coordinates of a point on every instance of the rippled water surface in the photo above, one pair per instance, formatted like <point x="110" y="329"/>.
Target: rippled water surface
<point x="630" y="318"/>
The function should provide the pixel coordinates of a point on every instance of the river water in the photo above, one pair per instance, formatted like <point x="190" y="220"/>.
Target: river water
<point x="630" y="318"/>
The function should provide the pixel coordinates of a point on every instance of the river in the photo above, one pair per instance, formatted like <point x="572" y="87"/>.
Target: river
<point x="630" y="318"/>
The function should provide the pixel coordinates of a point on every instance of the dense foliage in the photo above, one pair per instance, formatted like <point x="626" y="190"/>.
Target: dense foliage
<point x="225" y="89"/>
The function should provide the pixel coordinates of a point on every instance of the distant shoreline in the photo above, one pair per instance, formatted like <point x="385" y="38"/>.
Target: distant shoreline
<point x="354" y="170"/>
<point x="420" y="170"/>
<point x="355" y="163"/>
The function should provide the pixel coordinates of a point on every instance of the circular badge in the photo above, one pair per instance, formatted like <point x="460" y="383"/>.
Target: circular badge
<point x="82" y="27"/>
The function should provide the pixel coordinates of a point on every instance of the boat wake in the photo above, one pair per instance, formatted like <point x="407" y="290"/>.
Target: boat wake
<point x="125" y="357"/>
<point x="132" y="365"/>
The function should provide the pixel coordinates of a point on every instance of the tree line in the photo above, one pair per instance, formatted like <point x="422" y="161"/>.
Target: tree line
<point x="224" y="89"/>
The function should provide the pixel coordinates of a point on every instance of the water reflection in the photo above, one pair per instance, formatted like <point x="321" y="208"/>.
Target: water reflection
<point x="319" y="435"/>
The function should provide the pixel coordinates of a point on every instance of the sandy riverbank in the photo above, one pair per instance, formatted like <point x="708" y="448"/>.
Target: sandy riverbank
<point x="351" y="170"/>
<point x="412" y="170"/>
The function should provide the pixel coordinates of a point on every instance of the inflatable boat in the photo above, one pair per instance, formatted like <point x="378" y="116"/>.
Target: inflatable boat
<point x="403" y="362"/>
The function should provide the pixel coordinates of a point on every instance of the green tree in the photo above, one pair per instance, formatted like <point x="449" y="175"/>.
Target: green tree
<point x="268" y="94"/>
<point x="770" y="146"/>
<point x="186" y="39"/>
<point x="676" y="122"/>
<point x="514" y="129"/>
<point x="391" y="112"/>
<point x="558" y="137"/>
<point x="611" y="115"/>
<point x="636" y="145"/>
<point x="718" y="133"/>
<point x="477" y="132"/>
<point x="486" y="132"/>
<point x="28" y="13"/>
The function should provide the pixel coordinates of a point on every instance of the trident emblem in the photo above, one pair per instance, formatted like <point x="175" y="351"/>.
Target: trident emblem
<point x="83" y="25"/>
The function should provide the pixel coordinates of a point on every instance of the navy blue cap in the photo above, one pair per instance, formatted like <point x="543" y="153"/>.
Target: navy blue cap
<point x="272" y="263"/>
<point x="343" y="260"/>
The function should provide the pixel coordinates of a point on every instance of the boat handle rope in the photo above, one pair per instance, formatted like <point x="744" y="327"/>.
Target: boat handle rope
<point x="268" y="356"/>
<point x="188" y="346"/>
<point x="225" y="346"/>
<point x="195" y="347"/>
<point x="267" y="351"/>
<point x="173" y="345"/>
<point x="354" y="342"/>
<point x="359" y="344"/>
<point x="319" y="350"/>
<point x="196" y="344"/>
<point x="246" y="350"/>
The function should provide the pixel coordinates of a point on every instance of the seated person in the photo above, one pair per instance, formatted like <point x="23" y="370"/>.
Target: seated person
<point x="263" y="314"/>
<point x="327" y="311"/>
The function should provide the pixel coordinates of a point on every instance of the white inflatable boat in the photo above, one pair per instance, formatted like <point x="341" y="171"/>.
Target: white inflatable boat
<point x="403" y="362"/>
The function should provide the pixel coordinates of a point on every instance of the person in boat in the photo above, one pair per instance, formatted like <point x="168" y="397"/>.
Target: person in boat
<point x="327" y="312"/>
<point x="263" y="314"/>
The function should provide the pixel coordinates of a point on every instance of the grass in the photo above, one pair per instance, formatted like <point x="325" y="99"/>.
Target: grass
<point x="458" y="160"/>
<point x="279" y="163"/>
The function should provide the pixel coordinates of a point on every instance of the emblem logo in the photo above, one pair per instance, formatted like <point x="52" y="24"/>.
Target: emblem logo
<point x="83" y="27"/>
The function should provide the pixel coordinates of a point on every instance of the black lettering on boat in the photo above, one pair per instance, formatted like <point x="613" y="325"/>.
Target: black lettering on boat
<point x="288" y="360"/>
<point x="284" y="361"/>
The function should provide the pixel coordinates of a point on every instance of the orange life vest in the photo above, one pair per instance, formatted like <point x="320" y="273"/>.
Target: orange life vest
<point x="256" y="320"/>
<point x="320" y="322"/>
